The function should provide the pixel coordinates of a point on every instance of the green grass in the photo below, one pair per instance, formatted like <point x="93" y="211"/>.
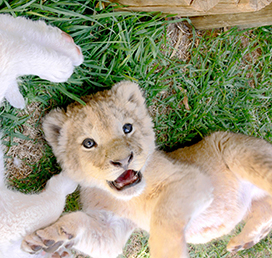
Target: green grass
<point x="227" y="81"/>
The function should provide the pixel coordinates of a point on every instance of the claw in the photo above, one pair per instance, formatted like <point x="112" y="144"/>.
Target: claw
<point x="249" y="245"/>
<point x="36" y="248"/>
<point x="65" y="254"/>
<point x="48" y="242"/>
<point x="54" y="247"/>
<point x="56" y="255"/>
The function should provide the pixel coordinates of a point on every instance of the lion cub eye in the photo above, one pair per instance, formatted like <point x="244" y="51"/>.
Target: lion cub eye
<point x="88" y="143"/>
<point x="127" y="128"/>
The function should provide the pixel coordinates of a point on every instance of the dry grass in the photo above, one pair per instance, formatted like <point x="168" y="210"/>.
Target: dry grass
<point x="24" y="153"/>
<point x="180" y="37"/>
<point x="137" y="245"/>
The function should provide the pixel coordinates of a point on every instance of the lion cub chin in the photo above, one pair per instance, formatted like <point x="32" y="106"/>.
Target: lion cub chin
<point x="193" y="194"/>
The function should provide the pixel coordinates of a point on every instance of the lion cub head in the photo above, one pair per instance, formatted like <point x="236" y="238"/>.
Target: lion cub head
<point x="105" y="143"/>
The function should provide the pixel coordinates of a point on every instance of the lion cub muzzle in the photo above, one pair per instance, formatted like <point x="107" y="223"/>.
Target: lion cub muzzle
<point x="124" y="162"/>
<point x="128" y="178"/>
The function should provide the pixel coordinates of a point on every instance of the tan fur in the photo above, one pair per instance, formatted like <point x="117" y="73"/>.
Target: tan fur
<point x="193" y="194"/>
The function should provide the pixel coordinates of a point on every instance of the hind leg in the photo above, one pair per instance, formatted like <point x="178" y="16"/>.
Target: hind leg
<point x="258" y="225"/>
<point x="248" y="157"/>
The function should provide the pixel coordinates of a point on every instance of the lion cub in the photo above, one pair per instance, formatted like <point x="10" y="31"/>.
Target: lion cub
<point x="191" y="195"/>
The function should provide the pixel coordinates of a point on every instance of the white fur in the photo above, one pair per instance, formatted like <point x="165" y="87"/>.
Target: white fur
<point x="32" y="47"/>
<point x="28" y="47"/>
<point x="21" y="214"/>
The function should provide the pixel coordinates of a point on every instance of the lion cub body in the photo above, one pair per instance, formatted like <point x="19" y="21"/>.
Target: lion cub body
<point x="191" y="195"/>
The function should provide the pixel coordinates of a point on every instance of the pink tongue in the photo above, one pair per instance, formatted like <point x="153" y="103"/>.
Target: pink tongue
<point x="126" y="178"/>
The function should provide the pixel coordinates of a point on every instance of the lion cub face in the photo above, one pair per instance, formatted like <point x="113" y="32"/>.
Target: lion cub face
<point x="105" y="143"/>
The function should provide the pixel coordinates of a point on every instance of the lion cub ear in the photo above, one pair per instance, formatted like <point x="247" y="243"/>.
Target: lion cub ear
<point x="129" y="91"/>
<point x="52" y="125"/>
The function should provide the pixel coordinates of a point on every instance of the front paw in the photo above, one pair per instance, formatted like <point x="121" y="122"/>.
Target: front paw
<point x="49" y="239"/>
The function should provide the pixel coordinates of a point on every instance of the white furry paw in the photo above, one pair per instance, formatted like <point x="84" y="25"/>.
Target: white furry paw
<point x="61" y="184"/>
<point x="33" y="48"/>
<point x="14" y="97"/>
<point x="60" y="57"/>
<point x="49" y="240"/>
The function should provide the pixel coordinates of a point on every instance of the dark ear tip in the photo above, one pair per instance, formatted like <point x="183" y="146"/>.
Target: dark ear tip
<point x="56" y="129"/>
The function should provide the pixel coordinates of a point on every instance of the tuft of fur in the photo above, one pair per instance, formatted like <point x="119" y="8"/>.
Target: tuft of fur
<point x="194" y="194"/>
<point x="33" y="47"/>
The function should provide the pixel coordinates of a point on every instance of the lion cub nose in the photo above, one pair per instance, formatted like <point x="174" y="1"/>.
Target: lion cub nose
<point x="122" y="162"/>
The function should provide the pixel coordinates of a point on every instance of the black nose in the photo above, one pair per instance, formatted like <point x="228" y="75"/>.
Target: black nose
<point x="123" y="162"/>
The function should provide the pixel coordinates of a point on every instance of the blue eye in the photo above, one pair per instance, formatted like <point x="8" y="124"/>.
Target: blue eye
<point x="127" y="128"/>
<point x="88" y="143"/>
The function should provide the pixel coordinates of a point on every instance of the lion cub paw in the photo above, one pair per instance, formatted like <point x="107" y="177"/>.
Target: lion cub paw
<point x="235" y="247"/>
<point x="49" y="240"/>
<point x="237" y="244"/>
<point x="242" y="241"/>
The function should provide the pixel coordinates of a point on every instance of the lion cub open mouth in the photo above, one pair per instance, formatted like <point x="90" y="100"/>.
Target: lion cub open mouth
<point x="128" y="179"/>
